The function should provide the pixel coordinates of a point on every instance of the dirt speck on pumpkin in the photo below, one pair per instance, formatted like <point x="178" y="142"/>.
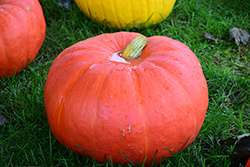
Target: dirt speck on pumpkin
<point x="129" y="128"/>
<point x="123" y="132"/>
<point x="28" y="8"/>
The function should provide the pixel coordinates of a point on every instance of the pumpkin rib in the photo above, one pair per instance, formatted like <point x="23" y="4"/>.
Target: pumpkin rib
<point x="98" y="99"/>
<point x="161" y="9"/>
<point x="105" y="81"/>
<point x="173" y="75"/>
<point x="132" y="13"/>
<point x="115" y="13"/>
<point x="62" y="93"/>
<point x="28" y="58"/>
<point x="102" y="9"/>
<point x="143" y="104"/>
<point x="136" y="83"/>
<point x="65" y="95"/>
<point x="133" y="89"/>
<point x="147" y="8"/>
<point x="126" y="14"/>
<point x="93" y="103"/>
<point x="90" y="5"/>
<point x="63" y="98"/>
<point x="118" y="20"/>
<point x="193" y="132"/>
<point x="153" y="14"/>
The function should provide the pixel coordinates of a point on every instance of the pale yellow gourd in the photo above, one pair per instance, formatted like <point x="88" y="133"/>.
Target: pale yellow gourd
<point x="126" y="13"/>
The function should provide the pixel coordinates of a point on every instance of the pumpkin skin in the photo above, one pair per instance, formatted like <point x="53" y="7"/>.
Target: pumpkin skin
<point x="22" y="32"/>
<point x="126" y="14"/>
<point x="95" y="100"/>
<point x="248" y="163"/>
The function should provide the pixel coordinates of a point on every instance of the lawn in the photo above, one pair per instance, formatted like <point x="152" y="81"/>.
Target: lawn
<point x="26" y="140"/>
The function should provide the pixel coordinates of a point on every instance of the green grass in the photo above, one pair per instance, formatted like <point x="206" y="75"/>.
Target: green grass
<point x="27" y="140"/>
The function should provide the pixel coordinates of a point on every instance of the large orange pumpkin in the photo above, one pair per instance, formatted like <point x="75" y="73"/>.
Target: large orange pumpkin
<point x="97" y="100"/>
<point x="22" y="32"/>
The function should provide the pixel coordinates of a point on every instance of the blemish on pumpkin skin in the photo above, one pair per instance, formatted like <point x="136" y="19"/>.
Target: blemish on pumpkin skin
<point x="166" y="87"/>
<point x="204" y="87"/>
<point x="28" y="8"/>
<point x="123" y="132"/>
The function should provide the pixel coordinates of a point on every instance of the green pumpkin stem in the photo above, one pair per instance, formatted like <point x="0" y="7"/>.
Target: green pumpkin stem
<point x="135" y="47"/>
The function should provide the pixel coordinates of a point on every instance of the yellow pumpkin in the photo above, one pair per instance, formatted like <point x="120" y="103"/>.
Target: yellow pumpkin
<point x="126" y="14"/>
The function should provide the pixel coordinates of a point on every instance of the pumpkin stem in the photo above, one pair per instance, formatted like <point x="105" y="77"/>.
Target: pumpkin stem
<point x="135" y="47"/>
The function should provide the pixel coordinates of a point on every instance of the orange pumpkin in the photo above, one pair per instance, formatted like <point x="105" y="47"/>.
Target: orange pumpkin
<point x="248" y="163"/>
<point x="22" y="32"/>
<point x="97" y="100"/>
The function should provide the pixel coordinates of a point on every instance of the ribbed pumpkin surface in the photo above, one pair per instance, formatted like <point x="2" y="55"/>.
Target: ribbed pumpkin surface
<point x="97" y="100"/>
<point x="22" y="32"/>
<point x="124" y="13"/>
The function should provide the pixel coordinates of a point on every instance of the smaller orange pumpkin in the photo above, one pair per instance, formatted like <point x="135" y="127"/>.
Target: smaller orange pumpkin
<point x="22" y="32"/>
